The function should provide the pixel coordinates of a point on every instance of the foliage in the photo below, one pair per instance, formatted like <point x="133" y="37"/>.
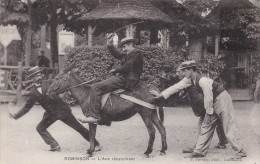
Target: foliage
<point x="43" y="12"/>
<point x="240" y="27"/>
<point x="66" y="11"/>
<point x="159" y="69"/>
<point x="200" y="6"/>
<point x="211" y="65"/>
<point x="95" y="62"/>
<point x="254" y="70"/>
<point x="160" y="64"/>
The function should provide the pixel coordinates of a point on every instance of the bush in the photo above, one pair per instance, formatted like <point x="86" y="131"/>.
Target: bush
<point x="159" y="69"/>
<point x="211" y="66"/>
<point x="96" y="61"/>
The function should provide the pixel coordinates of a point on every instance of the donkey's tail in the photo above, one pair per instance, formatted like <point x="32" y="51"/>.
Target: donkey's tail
<point x="161" y="114"/>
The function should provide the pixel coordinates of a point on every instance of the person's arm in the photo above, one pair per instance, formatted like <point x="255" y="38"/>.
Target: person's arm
<point x="206" y="85"/>
<point x="115" y="52"/>
<point x="257" y="91"/>
<point x="26" y="108"/>
<point x="137" y="58"/>
<point x="184" y="83"/>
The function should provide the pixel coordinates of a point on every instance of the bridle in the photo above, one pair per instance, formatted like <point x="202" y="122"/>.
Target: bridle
<point x="75" y="86"/>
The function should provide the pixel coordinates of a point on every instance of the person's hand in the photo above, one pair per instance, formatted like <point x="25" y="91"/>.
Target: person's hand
<point x="110" y="38"/>
<point x="80" y="120"/>
<point x="156" y="94"/>
<point x="112" y="71"/>
<point x="207" y="119"/>
<point x="12" y="116"/>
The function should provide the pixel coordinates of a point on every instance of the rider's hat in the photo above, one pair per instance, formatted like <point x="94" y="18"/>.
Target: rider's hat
<point x="34" y="70"/>
<point x="127" y="40"/>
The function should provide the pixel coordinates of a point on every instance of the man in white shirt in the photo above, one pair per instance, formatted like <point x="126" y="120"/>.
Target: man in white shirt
<point x="222" y="110"/>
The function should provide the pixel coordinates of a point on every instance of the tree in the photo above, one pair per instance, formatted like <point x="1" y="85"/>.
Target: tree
<point x="14" y="12"/>
<point x="48" y="12"/>
<point x="200" y="6"/>
<point x="63" y="12"/>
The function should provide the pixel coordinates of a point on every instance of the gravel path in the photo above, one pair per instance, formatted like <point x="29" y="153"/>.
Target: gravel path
<point x="122" y="142"/>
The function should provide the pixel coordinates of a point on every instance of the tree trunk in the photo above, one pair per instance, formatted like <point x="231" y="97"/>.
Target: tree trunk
<point x="90" y="32"/>
<point x="217" y="38"/>
<point x="54" y="40"/>
<point x="28" y="45"/>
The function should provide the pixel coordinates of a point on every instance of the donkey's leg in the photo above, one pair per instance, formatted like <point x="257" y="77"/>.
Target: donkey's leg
<point x="162" y="131"/>
<point x="151" y="130"/>
<point x="92" y="130"/>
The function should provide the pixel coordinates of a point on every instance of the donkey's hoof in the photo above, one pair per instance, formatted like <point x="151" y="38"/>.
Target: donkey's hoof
<point x="162" y="153"/>
<point x="89" y="154"/>
<point x="146" y="156"/>
<point x="98" y="148"/>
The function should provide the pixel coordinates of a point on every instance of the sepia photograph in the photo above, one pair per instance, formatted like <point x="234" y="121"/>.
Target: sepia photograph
<point x="129" y="81"/>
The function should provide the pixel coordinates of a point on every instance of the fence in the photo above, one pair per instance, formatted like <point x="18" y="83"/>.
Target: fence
<point x="14" y="82"/>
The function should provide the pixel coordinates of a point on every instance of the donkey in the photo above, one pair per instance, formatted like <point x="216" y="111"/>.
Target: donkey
<point x="120" y="109"/>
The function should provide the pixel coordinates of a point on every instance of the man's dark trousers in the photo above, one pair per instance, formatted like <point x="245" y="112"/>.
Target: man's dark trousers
<point x="66" y="118"/>
<point x="99" y="89"/>
<point x="55" y="109"/>
<point x="129" y="71"/>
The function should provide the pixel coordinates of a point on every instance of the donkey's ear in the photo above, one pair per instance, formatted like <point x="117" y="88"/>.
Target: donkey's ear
<point x="69" y="67"/>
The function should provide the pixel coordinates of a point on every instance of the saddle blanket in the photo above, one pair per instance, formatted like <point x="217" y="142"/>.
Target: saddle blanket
<point x="127" y="97"/>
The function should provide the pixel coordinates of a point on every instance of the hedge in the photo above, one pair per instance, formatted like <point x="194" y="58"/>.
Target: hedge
<point x="159" y="68"/>
<point x="96" y="62"/>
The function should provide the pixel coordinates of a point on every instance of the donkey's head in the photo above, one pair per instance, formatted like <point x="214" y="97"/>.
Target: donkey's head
<point x="61" y="82"/>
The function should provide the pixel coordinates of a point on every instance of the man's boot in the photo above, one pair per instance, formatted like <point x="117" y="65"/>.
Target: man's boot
<point x="194" y="155"/>
<point x="220" y="146"/>
<point x="188" y="150"/>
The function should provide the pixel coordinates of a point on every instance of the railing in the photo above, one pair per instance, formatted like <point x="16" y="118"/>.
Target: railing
<point x="16" y="82"/>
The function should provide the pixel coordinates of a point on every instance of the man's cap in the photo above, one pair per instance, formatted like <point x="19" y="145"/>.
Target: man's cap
<point x="34" y="70"/>
<point x="127" y="40"/>
<point x="188" y="64"/>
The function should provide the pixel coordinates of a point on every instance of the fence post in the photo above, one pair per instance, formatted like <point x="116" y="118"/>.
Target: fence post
<point x="19" y="83"/>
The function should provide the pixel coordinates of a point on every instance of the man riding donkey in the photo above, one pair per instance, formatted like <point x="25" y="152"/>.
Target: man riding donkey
<point x="55" y="109"/>
<point x="129" y="72"/>
<point x="218" y="105"/>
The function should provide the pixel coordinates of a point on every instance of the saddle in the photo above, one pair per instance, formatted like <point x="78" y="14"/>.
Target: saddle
<point x="132" y="96"/>
<point x="119" y="92"/>
<point x="106" y="96"/>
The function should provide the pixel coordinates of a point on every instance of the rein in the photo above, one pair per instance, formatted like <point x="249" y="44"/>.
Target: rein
<point x="75" y="86"/>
